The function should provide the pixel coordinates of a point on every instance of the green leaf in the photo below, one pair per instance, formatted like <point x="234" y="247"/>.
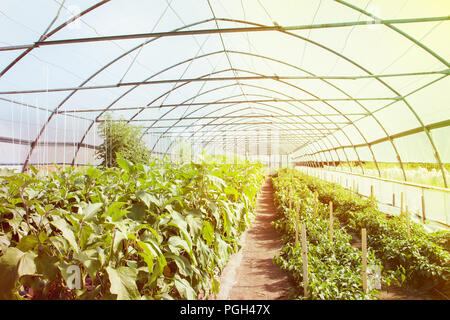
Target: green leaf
<point x="232" y="191"/>
<point x="93" y="266"/>
<point x="26" y="265"/>
<point x="178" y="221"/>
<point x="138" y="212"/>
<point x="67" y="233"/>
<point x="195" y="222"/>
<point x="46" y="265"/>
<point x="90" y="210"/>
<point x="118" y="239"/>
<point x="8" y="272"/>
<point x="114" y="211"/>
<point x="184" y="288"/>
<point x="148" y="260"/>
<point x="4" y="242"/>
<point x="147" y="198"/>
<point x="147" y="249"/>
<point x="208" y="232"/>
<point x="92" y="172"/>
<point x="183" y="264"/>
<point x="27" y="243"/>
<point x="123" y="163"/>
<point x="35" y="171"/>
<point x="123" y="283"/>
<point x="219" y="183"/>
<point x="175" y="242"/>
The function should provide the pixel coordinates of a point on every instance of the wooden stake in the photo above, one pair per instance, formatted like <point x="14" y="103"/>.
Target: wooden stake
<point x="315" y="204"/>
<point x="364" y="258"/>
<point x="351" y="190"/>
<point x="393" y="199"/>
<point x="290" y="198"/>
<point x="305" y="261"/>
<point x="423" y="209"/>
<point x="371" y="195"/>
<point x="296" y="223"/>
<point x="331" y="221"/>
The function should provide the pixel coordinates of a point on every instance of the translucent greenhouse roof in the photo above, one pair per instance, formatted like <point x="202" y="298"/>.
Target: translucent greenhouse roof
<point x="318" y="80"/>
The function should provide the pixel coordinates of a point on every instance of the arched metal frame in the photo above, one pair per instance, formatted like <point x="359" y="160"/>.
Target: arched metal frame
<point x="388" y="23"/>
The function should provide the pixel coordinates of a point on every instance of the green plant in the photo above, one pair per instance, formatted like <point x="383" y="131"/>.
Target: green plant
<point x="425" y="263"/>
<point x="334" y="266"/>
<point x="121" y="137"/>
<point x="139" y="231"/>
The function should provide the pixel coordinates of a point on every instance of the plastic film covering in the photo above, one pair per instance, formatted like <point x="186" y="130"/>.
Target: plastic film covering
<point x="358" y="84"/>
<point x="424" y="203"/>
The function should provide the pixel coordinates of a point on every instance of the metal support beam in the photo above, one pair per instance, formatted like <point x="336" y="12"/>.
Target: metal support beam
<point x="437" y="125"/>
<point x="82" y="109"/>
<point x="221" y="31"/>
<point x="234" y="78"/>
<point x="244" y="116"/>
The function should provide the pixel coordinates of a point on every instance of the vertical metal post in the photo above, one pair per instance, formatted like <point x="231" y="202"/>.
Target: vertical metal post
<point x="257" y="144"/>
<point x="423" y="209"/>
<point x="297" y="210"/>
<point x="269" y="147"/>
<point x="224" y="150"/>
<point x="235" y="151"/>
<point x="331" y="221"/>
<point x="247" y="150"/>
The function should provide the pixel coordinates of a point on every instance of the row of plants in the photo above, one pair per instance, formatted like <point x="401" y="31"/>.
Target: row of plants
<point x="423" y="256"/>
<point x="140" y="231"/>
<point x="334" y="265"/>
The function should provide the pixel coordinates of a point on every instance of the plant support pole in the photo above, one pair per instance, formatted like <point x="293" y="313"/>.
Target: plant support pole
<point x="331" y="221"/>
<point x="364" y="258"/>
<point x="371" y="196"/>
<point x="296" y="223"/>
<point x="401" y="204"/>
<point x="315" y="204"/>
<point x="305" y="261"/>
<point x="423" y="209"/>
<point x="408" y="227"/>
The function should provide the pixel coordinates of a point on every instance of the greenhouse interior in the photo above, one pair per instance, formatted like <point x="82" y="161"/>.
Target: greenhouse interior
<point x="225" y="150"/>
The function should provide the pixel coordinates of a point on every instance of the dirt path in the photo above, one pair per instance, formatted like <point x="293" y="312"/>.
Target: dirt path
<point x="251" y="274"/>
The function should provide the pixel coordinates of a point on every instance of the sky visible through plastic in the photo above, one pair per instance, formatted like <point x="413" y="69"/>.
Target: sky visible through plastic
<point x="314" y="81"/>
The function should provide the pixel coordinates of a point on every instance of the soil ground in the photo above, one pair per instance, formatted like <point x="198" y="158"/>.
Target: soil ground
<point x="251" y="273"/>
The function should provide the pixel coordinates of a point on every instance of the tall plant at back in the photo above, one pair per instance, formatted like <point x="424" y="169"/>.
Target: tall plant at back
<point x="121" y="137"/>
